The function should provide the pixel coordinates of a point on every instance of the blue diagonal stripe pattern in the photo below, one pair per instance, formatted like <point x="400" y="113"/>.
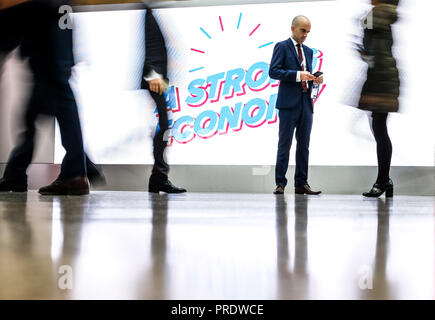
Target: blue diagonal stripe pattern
<point x="240" y="18"/>
<point x="266" y="44"/>
<point x="205" y="33"/>
<point x="193" y="70"/>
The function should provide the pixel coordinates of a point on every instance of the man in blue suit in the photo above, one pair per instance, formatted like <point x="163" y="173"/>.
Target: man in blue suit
<point x="292" y="65"/>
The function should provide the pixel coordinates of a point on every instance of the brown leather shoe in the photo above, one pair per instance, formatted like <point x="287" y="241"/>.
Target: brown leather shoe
<point x="75" y="187"/>
<point x="279" y="189"/>
<point x="306" y="189"/>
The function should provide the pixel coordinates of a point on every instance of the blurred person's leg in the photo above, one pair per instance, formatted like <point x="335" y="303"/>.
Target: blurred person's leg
<point x="159" y="177"/>
<point x="66" y="111"/>
<point x="384" y="152"/>
<point x="160" y="170"/>
<point x="51" y="60"/>
<point x="22" y="31"/>
<point x="384" y="148"/>
<point x="156" y="62"/>
<point x="64" y="62"/>
<point x="15" y="177"/>
<point x="11" y="34"/>
<point x="21" y="156"/>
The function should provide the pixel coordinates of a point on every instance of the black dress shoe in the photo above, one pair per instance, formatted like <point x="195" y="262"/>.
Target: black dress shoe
<point x="167" y="187"/>
<point x="279" y="189"/>
<point x="306" y="189"/>
<point x="12" y="186"/>
<point x="77" y="186"/>
<point x="377" y="190"/>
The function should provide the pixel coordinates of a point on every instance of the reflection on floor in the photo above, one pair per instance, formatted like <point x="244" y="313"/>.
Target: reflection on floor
<point x="133" y="245"/>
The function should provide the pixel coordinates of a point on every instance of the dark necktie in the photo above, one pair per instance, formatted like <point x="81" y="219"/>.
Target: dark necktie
<point x="301" y="59"/>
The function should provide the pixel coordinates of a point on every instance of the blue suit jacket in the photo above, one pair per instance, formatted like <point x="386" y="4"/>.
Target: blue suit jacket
<point x="283" y="67"/>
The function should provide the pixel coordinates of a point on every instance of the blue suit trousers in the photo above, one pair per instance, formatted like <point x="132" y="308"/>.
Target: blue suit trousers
<point x="301" y="120"/>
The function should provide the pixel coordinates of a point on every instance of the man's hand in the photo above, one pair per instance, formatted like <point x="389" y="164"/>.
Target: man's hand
<point x="306" y="76"/>
<point x="157" y="86"/>
<point x="318" y="80"/>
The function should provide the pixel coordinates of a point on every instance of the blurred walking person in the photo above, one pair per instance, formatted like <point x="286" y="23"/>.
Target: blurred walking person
<point x="380" y="92"/>
<point x="154" y="79"/>
<point x="33" y="26"/>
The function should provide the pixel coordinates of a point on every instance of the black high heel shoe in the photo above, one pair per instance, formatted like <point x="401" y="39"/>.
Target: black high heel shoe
<point x="377" y="190"/>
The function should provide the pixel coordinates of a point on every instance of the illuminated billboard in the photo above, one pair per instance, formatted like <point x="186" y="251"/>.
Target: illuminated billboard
<point x="221" y="99"/>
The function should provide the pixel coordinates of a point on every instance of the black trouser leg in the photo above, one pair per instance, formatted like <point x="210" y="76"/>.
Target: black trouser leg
<point x="21" y="155"/>
<point x="161" y="168"/>
<point x="34" y="26"/>
<point x="63" y="103"/>
<point x="73" y="164"/>
<point x="12" y="29"/>
<point x="384" y="147"/>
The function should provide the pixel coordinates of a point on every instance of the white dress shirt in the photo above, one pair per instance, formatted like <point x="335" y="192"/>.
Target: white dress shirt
<point x="153" y="75"/>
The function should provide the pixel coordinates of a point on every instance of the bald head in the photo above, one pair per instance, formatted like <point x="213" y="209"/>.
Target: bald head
<point x="300" y="19"/>
<point x="301" y="27"/>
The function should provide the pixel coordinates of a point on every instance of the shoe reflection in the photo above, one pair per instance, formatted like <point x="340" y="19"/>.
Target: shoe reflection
<point x="380" y="286"/>
<point x="157" y="280"/>
<point x="292" y="281"/>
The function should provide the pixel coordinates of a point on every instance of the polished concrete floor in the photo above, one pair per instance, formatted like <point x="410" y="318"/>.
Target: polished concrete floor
<point x="133" y="245"/>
